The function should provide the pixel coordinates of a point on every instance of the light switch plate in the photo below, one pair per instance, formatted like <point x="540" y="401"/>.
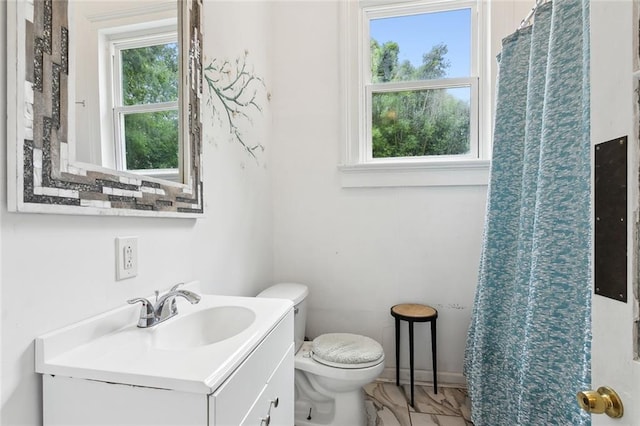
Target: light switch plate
<point x="126" y="257"/>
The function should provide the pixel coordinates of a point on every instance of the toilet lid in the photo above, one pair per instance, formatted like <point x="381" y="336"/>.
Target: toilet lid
<point x="346" y="350"/>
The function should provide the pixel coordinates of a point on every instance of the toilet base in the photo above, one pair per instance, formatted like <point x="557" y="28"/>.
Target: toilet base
<point x="309" y="413"/>
<point x="347" y="409"/>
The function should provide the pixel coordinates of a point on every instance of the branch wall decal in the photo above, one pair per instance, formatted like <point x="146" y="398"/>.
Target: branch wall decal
<point x="233" y="93"/>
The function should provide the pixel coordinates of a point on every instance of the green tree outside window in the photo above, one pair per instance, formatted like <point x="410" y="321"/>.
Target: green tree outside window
<point x="150" y="76"/>
<point x="416" y="122"/>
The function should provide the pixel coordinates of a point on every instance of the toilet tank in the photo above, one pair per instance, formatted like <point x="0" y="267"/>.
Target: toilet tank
<point x="297" y="293"/>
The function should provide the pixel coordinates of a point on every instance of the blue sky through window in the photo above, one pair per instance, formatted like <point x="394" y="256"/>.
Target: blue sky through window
<point x="417" y="34"/>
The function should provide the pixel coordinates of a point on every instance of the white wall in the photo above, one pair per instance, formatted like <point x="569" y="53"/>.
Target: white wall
<point x="56" y="269"/>
<point x="363" y="250"/>
<point x="284" y="217"/>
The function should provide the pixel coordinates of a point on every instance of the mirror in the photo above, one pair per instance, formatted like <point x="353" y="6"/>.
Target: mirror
<point x="107" y="117"/>
<point x="124" y="76"/>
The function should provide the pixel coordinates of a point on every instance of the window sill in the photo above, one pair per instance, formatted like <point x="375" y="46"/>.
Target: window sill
<point x="164" y="174"/>
<point x="444" y="173"/>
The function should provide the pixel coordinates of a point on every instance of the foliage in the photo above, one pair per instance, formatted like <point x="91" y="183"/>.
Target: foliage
<point x="415" y="122"/>
<point x="150" y="75"/>
<point x="152" y="140"/>
<point x="233" y="93"/>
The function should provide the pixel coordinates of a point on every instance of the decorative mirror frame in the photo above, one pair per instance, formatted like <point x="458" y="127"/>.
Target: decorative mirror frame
<point x="41" y="174"/>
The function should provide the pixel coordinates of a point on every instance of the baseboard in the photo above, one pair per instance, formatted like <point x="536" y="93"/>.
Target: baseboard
<point x="424" y="377"/>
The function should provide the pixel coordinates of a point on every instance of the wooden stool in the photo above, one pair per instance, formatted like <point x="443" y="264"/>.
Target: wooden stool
<point x="415" y="313"/>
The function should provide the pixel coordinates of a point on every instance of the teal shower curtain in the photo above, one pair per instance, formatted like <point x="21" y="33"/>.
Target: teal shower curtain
<point x="528" y="347"/>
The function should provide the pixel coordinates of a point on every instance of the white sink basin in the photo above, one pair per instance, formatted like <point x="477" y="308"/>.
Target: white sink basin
<point x="192" y="352"/>
<point x="203" y="327"/>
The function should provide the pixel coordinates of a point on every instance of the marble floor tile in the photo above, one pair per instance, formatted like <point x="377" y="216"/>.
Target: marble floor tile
<point x="448" y="401"/>
<point x="422" y="419"/>
<point x="464" y="403"/>
<point x="387" y="417"/>
<point x="371" y="411"/>
<point x="391" y="402"/>
<point x="388" y="405"/>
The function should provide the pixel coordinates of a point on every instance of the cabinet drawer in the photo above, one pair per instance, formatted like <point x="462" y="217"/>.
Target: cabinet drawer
<point x="280" y="389"/>
<point x="238" y="393"/>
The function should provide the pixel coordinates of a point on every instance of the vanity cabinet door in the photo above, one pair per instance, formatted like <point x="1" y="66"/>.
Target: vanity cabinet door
<point x="237" y="396"/>
<point x="78" y="402"/>
<point x="275" y="405"/>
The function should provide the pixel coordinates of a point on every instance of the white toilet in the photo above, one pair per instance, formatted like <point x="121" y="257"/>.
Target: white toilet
<point x="330" y="370"/>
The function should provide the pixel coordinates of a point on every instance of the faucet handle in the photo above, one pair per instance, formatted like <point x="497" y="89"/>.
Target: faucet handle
<point x="145" y="302"/>
<point x="147" y="312"/>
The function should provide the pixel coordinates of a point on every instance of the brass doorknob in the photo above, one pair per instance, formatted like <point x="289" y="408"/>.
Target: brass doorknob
<point x="605" y="400"/>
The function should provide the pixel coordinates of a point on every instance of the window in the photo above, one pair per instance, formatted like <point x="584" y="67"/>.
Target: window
<point x="414" y="93"/>
<point x="420" y="93"/>
<point x="145" y="104"/>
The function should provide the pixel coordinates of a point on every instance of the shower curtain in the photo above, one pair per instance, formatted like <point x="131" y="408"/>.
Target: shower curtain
<point x="528" y="346"/>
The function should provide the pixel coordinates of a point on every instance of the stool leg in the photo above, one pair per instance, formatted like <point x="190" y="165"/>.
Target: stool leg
<point x="434" y="356"/>
<point x="397" y="351"/>
<point x="411" y="357"/>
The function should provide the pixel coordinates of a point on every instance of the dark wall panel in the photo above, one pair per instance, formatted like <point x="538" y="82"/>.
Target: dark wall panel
<point x="611" y="219"/>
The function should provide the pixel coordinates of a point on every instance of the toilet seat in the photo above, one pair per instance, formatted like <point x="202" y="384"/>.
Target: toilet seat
<point x="305" y="362"/>
<point x="345" y="350"/>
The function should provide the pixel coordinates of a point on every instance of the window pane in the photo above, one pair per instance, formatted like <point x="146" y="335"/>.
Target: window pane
<point x="421" y="47"/>
<point x="151" y="140"/>
<point x="150" y="74"/>
<point x="421" y="122"/>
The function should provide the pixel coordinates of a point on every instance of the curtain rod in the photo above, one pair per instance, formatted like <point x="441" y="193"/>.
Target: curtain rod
<point x="527" y="20"/>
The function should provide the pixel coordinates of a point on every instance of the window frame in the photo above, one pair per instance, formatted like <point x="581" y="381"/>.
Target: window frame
<point x="153" y="37"/>
<point x="358" y="167"/>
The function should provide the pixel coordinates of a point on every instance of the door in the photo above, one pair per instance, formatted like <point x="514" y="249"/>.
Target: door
<point x="614" y="103"/>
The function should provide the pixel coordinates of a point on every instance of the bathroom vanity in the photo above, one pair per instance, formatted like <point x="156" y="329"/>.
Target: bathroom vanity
<point x="224" y="361"/>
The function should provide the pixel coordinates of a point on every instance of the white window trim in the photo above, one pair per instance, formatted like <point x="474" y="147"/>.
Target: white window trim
<point x="357" y="168"/>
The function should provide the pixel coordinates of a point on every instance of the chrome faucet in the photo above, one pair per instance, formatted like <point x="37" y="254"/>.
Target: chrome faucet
<point x="165" y="306"/>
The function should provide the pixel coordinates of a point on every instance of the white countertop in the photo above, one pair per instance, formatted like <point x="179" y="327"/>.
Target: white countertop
<point x="111" y="348"/>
